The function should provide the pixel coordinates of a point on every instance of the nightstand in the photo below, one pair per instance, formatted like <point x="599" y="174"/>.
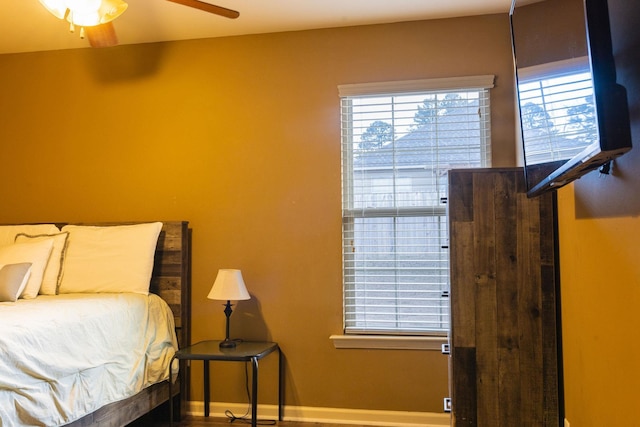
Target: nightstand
<point x="245" y="351"/>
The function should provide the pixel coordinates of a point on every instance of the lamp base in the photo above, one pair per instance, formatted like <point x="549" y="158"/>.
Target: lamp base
<point x="227" y="344"/>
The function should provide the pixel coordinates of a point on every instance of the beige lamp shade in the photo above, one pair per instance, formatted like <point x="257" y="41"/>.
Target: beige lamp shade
<point x="229" y="286"/>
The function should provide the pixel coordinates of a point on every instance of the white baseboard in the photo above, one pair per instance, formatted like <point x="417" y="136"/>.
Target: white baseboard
<point x="360" y="417"/>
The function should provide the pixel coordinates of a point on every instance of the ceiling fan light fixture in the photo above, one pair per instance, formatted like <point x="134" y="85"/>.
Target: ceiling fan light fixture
<point x="94" y="17"/>
<point x="85" y="13"/>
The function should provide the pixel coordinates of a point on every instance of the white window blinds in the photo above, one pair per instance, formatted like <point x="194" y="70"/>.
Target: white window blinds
<point x="399" y="140"/>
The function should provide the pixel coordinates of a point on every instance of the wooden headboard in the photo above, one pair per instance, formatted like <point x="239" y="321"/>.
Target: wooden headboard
<point x="171" y="278"/>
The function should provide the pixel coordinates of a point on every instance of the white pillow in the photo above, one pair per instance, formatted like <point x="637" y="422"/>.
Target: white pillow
<point x="8" y="233"/>
<point x="37" y="253"/>
<point x="109" y="259"/>
<point x="13" y="279"/>
<point x="53" y="270"/>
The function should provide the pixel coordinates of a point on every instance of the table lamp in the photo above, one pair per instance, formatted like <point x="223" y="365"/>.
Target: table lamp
<point x="228" y="286"/>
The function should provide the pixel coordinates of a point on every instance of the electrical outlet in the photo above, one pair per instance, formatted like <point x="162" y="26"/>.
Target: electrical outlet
<point x="566" y="423"/>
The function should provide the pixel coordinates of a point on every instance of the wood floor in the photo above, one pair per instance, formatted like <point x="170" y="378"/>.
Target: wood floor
<point x="160" y="418"/>
<point x="225" y="422"/>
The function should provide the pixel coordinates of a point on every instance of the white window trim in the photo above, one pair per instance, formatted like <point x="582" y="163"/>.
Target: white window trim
<point x="389" y="342"/>
<point x="410" y="86"/>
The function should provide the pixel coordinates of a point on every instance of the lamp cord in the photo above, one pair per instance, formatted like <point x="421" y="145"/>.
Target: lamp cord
<point x="246" y="419"/>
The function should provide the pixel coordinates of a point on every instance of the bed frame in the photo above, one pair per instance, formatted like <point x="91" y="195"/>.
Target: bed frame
<point x="171" y="280"/>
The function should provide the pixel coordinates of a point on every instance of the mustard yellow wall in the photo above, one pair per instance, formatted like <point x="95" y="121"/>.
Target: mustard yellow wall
<point x="599" y="222"/>
<point x="241" y="137"/>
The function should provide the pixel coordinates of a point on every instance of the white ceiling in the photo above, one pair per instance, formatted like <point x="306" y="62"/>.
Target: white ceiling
<point x="27" y="26"/>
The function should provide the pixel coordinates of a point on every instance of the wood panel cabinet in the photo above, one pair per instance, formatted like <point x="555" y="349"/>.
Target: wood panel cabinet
<point x="504" y="340"/>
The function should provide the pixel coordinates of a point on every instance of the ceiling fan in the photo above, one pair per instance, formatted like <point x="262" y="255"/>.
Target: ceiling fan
<point x="95" y="17"/>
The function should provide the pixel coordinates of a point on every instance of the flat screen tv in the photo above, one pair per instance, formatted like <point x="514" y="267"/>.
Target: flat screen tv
<point x="574" y="117"/>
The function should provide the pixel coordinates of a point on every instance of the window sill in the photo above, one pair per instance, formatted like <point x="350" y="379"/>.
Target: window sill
<point x="388" y="342"/>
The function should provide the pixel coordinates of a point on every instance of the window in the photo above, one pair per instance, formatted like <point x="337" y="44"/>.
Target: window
<point x="398" y="142"/>
<point x="558" y="110"/>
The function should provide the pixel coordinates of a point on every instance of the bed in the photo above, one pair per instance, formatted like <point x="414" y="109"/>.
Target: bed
<point x="118" y="370"/>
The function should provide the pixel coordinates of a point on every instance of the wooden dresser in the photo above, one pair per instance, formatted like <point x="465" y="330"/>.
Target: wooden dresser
<point x="504" y="343"/>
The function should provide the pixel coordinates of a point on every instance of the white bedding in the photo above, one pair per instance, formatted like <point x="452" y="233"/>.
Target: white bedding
<point x="64" y="356"/>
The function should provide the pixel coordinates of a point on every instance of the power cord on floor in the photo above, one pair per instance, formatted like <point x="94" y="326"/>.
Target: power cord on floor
<point x="246" y="419"/>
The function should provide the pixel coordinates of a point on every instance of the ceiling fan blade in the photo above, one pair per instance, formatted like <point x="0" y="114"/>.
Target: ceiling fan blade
<point x="103" y="35"/>
<point x="211" y="8"/>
